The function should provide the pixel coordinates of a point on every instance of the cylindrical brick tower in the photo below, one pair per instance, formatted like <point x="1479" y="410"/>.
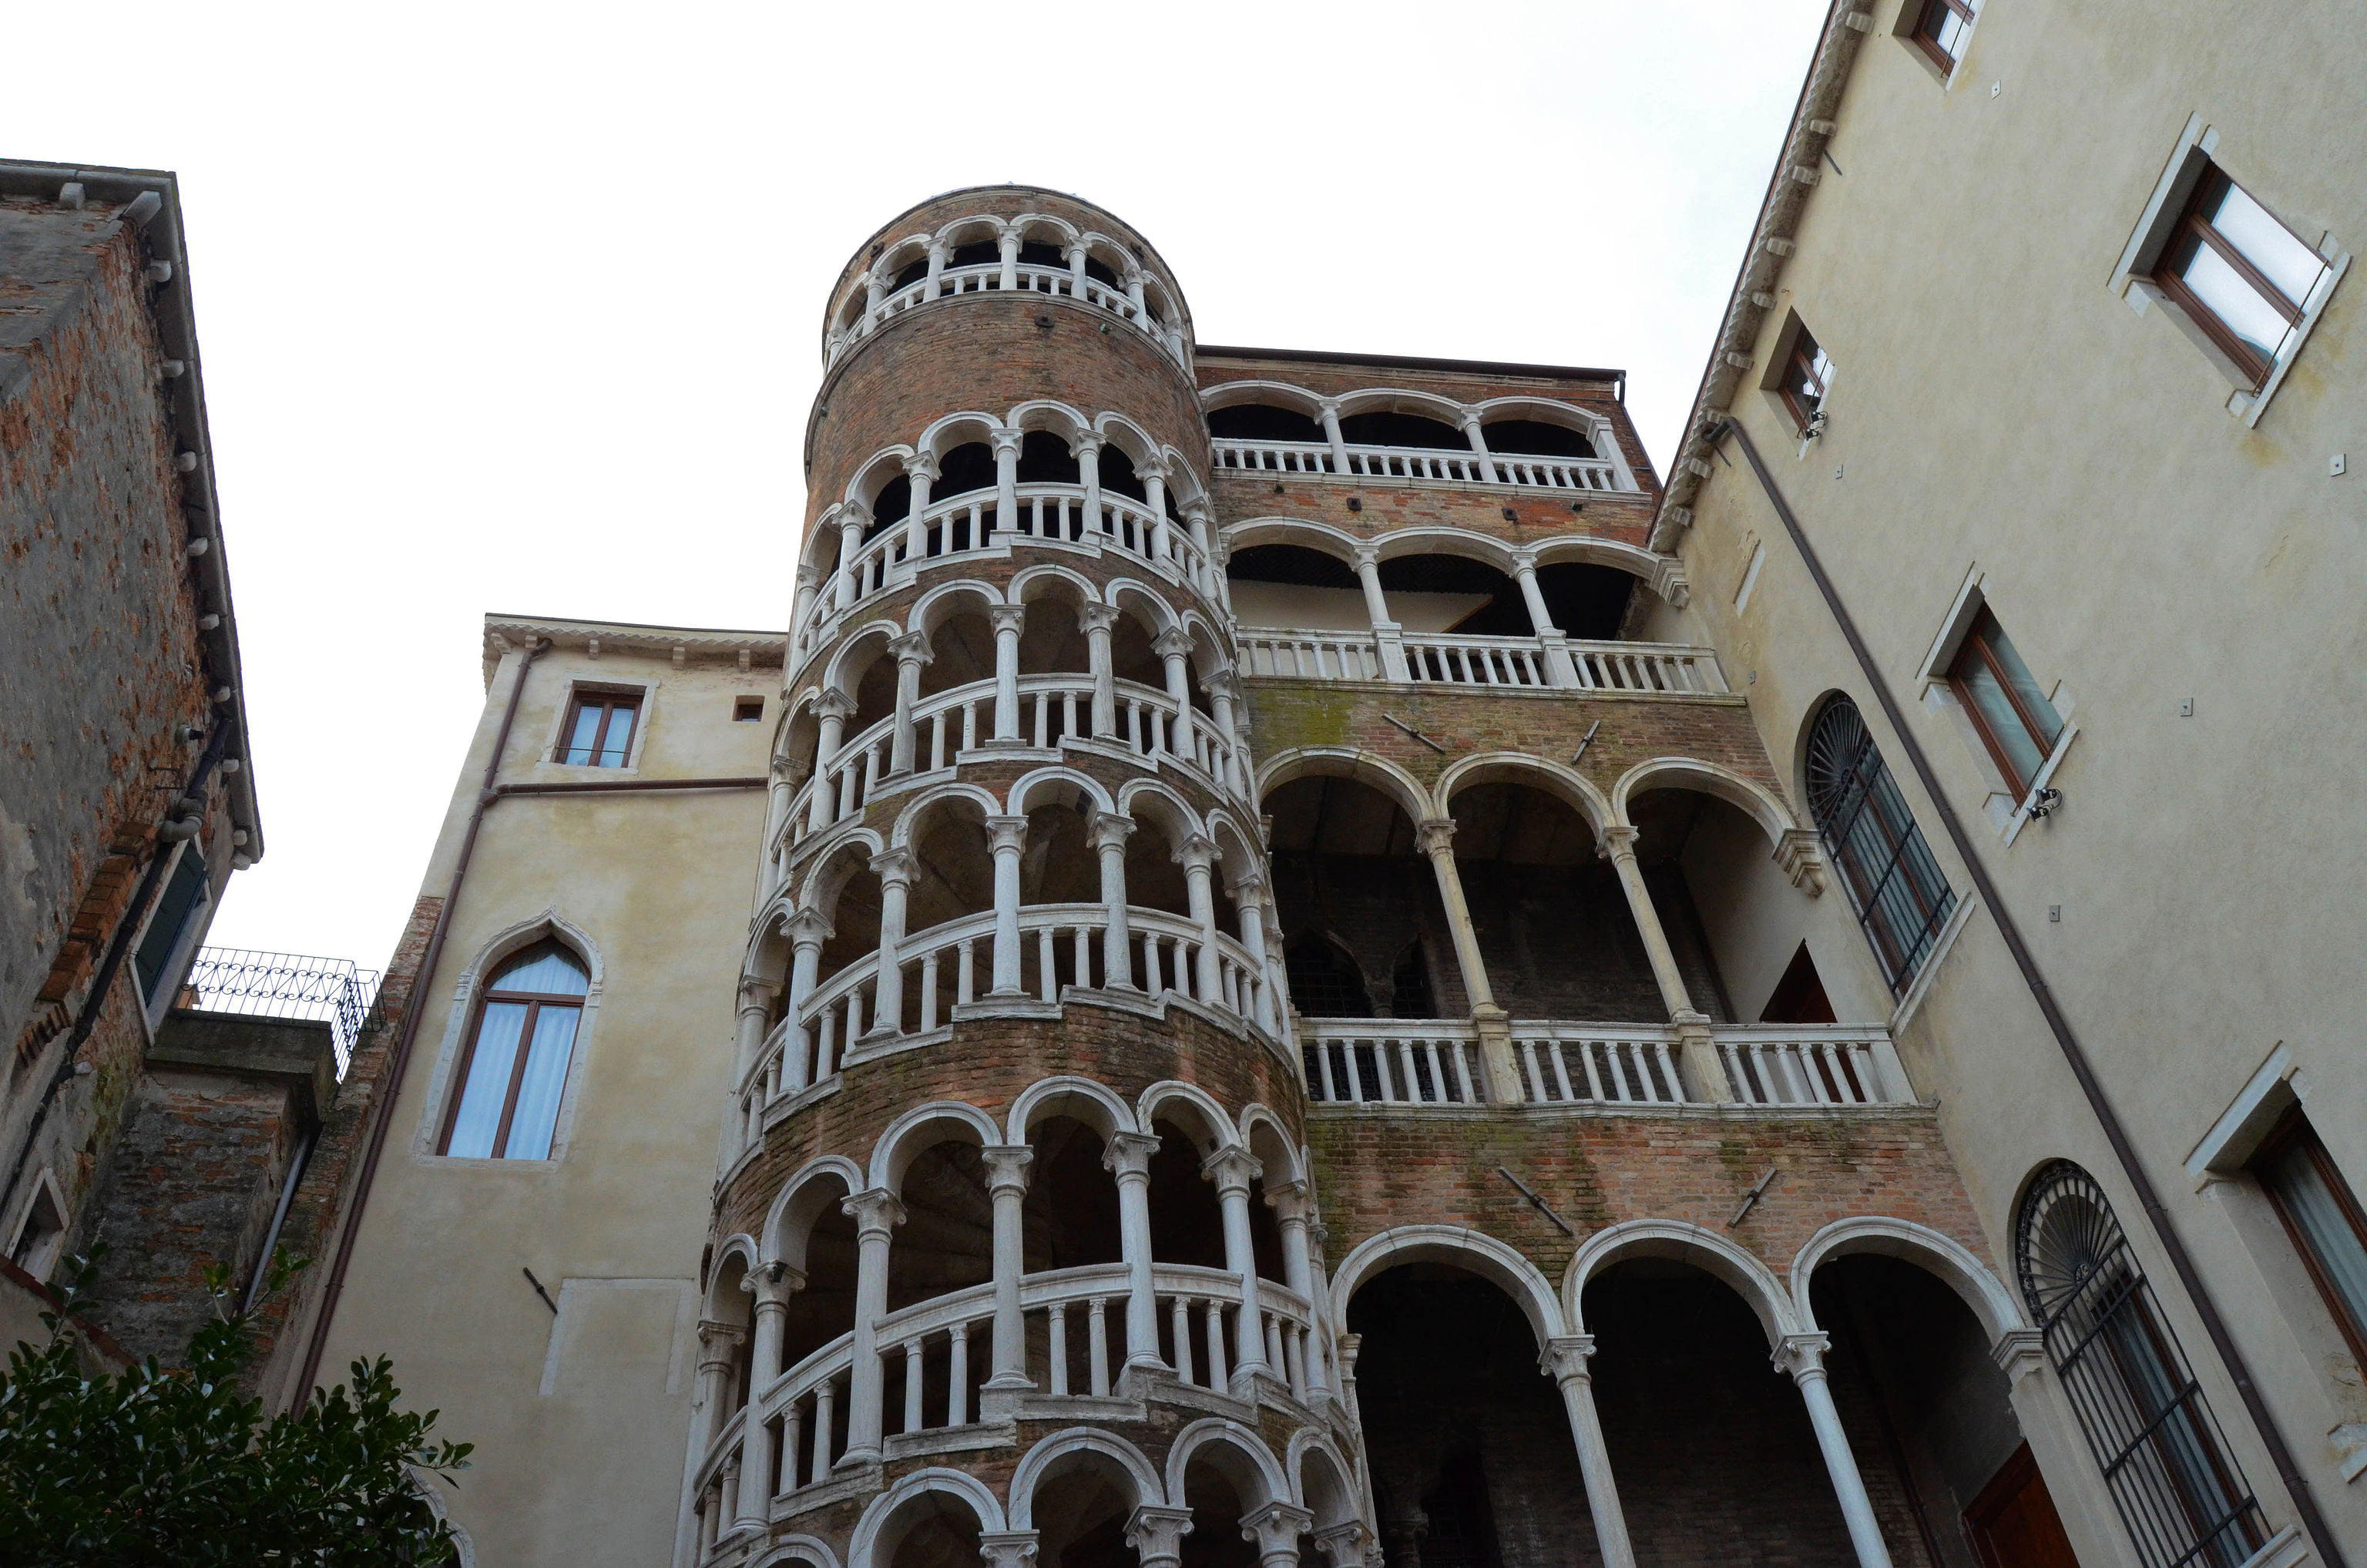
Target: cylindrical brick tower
<point x="1013" y="1250"/>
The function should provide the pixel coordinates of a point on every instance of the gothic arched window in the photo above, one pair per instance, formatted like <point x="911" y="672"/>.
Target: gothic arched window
<point x="1325" y="981"/>
<point x="515" y="1069"/>
<point x="2177" y="1487"/>
<point x="1902" y="897"/>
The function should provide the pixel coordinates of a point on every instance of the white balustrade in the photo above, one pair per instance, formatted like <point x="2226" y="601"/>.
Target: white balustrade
<point x="1519" y="470"/>
<point x="1564" y="1064"/>
<point x="1647" y="667"/>
<point x="1390" y="1061"/>
<point x="1476" y="661"/>
<point x="1456" y="659"/>
<point x="1029" y="277"/>
<point x="1812" y="1064"/>
<point x="1310" y="656"/>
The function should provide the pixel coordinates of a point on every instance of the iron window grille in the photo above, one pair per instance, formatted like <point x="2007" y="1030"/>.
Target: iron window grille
<point x="2240" y="274"/>
<point x="1901" y="896"/>
<point x="1942" y="28"/>
<point x="2178" y="1490"/>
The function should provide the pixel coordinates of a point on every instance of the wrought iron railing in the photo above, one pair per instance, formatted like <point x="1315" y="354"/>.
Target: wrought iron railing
<point x="285" y="985"/>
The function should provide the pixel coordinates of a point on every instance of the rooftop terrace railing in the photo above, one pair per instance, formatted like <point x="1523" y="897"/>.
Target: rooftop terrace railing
<point x="285" y="985"/>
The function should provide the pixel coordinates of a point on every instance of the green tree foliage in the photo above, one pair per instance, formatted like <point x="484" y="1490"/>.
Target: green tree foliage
<point x="155" y="1466"/>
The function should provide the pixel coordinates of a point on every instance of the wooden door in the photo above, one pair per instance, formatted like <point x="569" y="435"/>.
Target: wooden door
<point x="2013" y="1523"/>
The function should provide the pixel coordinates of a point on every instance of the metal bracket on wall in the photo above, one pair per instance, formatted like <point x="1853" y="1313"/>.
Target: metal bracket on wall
<point x="1535" y="1202"/>
<point x="1416" y="734"/>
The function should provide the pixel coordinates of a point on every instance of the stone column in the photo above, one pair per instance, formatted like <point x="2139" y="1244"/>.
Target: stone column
<point x="807" y="932"/>
<point x="1127" y="1157"/>
<point x="1436" y="835"/>
<point x="1249" y="900"/>
<point x="937" y="271"/>
<point x="1478" y="440"/>
<point x="833" y="708"/>
<point x="1097" y="621"/>
<point x="1076" y="260"/>
<point x="1699" y="1050"/>
<point x="1274" y="1529"/>
<point x="809" y="584"/>
<point x="1006" y="837"/>
<point x="1108" y="831"/>
<point x="1344" y="1545"/>
<point x="1161" y="549"/>
<point x="1802" y="1356"/>
<point x="1006" y="480"/>
<point x="1389" y="637"/>
<point x="1224" y="687"/>
<point x="1197" y="855"/>
<point x="1558" y="668"/>
<point x="1006" y="1185"/>
<point x="876" y="1214"/>
<point x="1232" y="1169"/>
<point x="755" y="1012"/>
<point x="1157" y="1536"/>
<point x="921" y="472"/>
<point x="851" y="518"/>
<point x="1008" y="243"/>
<point x="1007" y="620"/>
<point x="1174" y="647"/>
<point x="772" y="1285"/>
<point x="1089" y="472"/>
<point x="912" y="650"/>
<point x="894" y="868"/>
<point x="875" y="290"/>
<point x="717" y="1341"/>
<point x="1291" y="1206"/>
<point x="1330" y="413"/>
<point x="1563" y="1360"/>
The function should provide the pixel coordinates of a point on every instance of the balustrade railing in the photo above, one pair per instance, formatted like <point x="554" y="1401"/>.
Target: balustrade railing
<point x="1457" y="659"/>
<point x="1435" y="1062"/>
<point x="1476" y="661"/>
<point x="1526" y="470"/>
<point x="972" y="523"/>
<point x="988" y="278"/>
<point x="1312" y="656"/>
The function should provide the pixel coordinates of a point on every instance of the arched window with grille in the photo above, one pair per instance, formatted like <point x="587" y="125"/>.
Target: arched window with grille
<point x="521" y="1042"/>
<point x="1901" y="896"/>
<point x="2178" y="1490"/>
<point x="1325" y="981"/>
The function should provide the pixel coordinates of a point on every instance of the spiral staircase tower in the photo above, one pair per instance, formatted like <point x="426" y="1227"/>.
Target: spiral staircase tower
<point x="1015" y="1198"/>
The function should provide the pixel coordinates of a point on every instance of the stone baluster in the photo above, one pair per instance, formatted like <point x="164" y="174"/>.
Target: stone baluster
<point x="1802" y="1356"/>
<point x="1232" y="1169"/>
<point x="1563" y="1360"/>
<point x="876" y="1213"/>
<point x="1705" y="1073"/>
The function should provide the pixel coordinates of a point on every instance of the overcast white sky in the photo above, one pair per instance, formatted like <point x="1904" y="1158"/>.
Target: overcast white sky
<point x="517" y="308"/>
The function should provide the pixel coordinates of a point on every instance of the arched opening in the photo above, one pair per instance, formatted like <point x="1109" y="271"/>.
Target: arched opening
<point x="1472" y="1461"/>
<point x="947" y="1242"/>
<point x="931" y="1529"/>
<point x="1535" y="438"/>
<point x="1453" y="593"/>
<point x="1119" y="475"/>
<point x="1131" y="658"/>
<point x="1410" y="993"/>
<point x="1220" y="1484"/>
<point x="1187" y="1224"/>
<point x="1381" y="428"/>
<point x="1721" y="897"/>
<point x="1680" y="1370"/>
<point x="1070" y="1215"/>
<point x="1942" y="1413"/>
<point x="1041" y="252"/>
<point x="1058" y="866"/>
<point x="729" y="1304"/>
<point x="1153" y="878"/>
<point x="1552" y="920"/>
<point x="964" y="469"/>
<point x="854" y="915"/>
<point x="962" y="652"/>
<point x="823" y="1308"/>
<point x="975" y="253"/>
<point x="891" y="507"/>
<point x="1291" y="586"/>
<point x="1052" y="638"/>
<point x="868" y="675"/>
<point x="1901" y="896"/>
<point x="1045" y="458"/>
<point x="1081" y="1508"/>
<point x="1345" y="871"/>
<point x="1263" y="421"/>
<point x="1587" y="600"/>
<point x="953" y="878"/>
<point x="912" y="272"/>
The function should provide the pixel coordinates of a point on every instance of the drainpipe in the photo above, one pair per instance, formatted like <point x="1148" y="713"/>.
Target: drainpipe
<point x="2075" y="1055"/>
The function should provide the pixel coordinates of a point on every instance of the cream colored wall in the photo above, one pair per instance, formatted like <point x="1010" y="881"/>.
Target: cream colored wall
<point x="1755" y="920"/>
<point x="1999" y="410"/>
<point x="597" y="1396"/>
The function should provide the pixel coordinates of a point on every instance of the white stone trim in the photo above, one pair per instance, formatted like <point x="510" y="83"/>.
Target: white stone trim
<point x="2275" y="1088"/>
<point x="443" y="1072"/>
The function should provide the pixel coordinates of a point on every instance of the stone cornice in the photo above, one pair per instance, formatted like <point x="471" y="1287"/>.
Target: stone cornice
<point x="682" y="644"/>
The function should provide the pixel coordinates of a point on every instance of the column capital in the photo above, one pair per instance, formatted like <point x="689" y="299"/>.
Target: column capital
<point x="1109" y="830"/>
<point x="1619" y="839"/>
<point x="1007" y="1549"/>
<point x="876" y="1212"/>
<point x="808" y="928"/>
<point x="1006" y="832"/>
<point x="921" y="465"/>
<point x="1197" y="852"/>
<point x="1171" y="642"/>
<point x="1329" y="405"/>
<point x="757" y="995"/>
<point x="1564" y="1357"/>
<point x="893" y="866"/>
<point x="1007" y="618"/>
<point x="1275" y="1529"/>
<point x="1087" y="444"/>
<point x="912" y="648"/>
<point x="1524" y="559"/>
<point x="1006" y="1166"/>
<point x="1436" y="834"/>
<point x="834" y="703"/>
<point x="1223" y="681"/>
<point x="1233" y="1169"/>
<point x="1288" y="1200"/>
<point x="1008" y="441"/>
<point x="808" y="575"/>
<point x="1367" y="557"/>
<point x="851" y="516"/>
<point x="1097" y="617"/>
<point x="773" y="1284"/>
<point x="1802" y="1355"/>
<point x="717" y="1341"/>
<point x="1128" y="1154"/>
<point x="1157" y="1534"/>
<point x="2018" y="1353"/>
<point x="1344" y="1545"/>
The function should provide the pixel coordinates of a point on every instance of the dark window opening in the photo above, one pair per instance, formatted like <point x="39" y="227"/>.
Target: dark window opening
<point x="1035" y="253"/>
<point x="1325" y="982"/>
<point x="747" y="710"/>
<point x="978" y="252"/>
<point x="910" y="273"/>
<point x="1806" y="373"/>
<point x="1534" y="438"/>
<point x="967" y="467"/>
<point x="1901" y="896"/>
<point x="185" y="893"/>
<point x="600" y="731"/>
<point x="1099" y="271"/>
<point x="1293" y="564"/>
<point x="1402" y="430"/>
<point x="1942" y="28"/>
<point x="1262" y="421"/>
<point x="892" y="505"/>
<point x="1798" y="997"/>
<point x="1119" y="476"/>
<point x="1506" y="613"/>
<point x="1410" y="993"/>
<point x="1587" y="601"/>
<point x="1045" y="458"/>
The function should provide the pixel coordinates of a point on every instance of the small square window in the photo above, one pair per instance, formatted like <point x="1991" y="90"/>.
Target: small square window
<point x="1803" y="378"/>
<point x="747" y="710"/>
<point x="1941" y="28"/>
<point x="2240" y="276"/>
<point x="2011" y="711"/>
<point x="600" y="731"/>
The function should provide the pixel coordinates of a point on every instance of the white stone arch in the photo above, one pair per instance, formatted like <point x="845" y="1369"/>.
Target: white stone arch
<point x="900" y="835"/>
<point x="1026" y="784"/>
<point x="1111" y="251"/>
<point x="1403" y="399"/>
<point x="818" y="550"/>
<point x="460" y="1018"/>
<point x="1260" y="1129"/>
<point x="1755" y="802"/>
<point x="1400" y="542"/>
<point x="1224" y="1434"/>
<point x="1024" y="586"/>
<point x="740" y="1248"/>
<point x="1334" y="1503"/>
<point x="1345" y="762"/>
<point x="970" y="228"/>
<point x="897" y="254"/>
<point x="1174" y="816"/>
<point x="1956" y="1264"/>
<point x="875" y="473"/>
<point x="1474" y="1252"/>
<point x="1124" y="593"/>
<point x="1690" y="1244"/>
<point x="1064" y="420"/>
<point x="1239" y="853"/>
<point x="933" y="609"/>
<point x="1664" y="575"/>
<point x="1131" y="439"/>
<point x="812" y="1551"/>
<point x="817" y="1187"/>
<point x="1088" y="1100"/>
<point x="921" y="1128"/>
<point x="1304" y="532"/>
<point x="844" y="673"/>
<point x="1281" y="394"/>
<point x="1193" y="1110"/>
<point x="878" y="1532"/>
<point x="823" y="880"/>
<point x="1030" y="225"/>
<point x="1049" y="1450"/>
<point x="951" y="430"/>
<point x="1165" y="302"/>
<point x="1558" y="779"/>
<point x="1594" y="426"/>
<point x="1185" y="484"/>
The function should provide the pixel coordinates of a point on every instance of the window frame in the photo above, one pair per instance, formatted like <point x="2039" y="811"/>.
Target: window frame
<point x="610" y="700"/>
<point x="2292" y="1132"/>
<point x="2189" y="232"/>
<point x="156" y="1002"/>
<point x="535" y="1002"/>
<point x="1877" y="870"/>
<point x="1921" y="34"/>
<point x="1975" y="644"/>
<point x="1802" y="353"/>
